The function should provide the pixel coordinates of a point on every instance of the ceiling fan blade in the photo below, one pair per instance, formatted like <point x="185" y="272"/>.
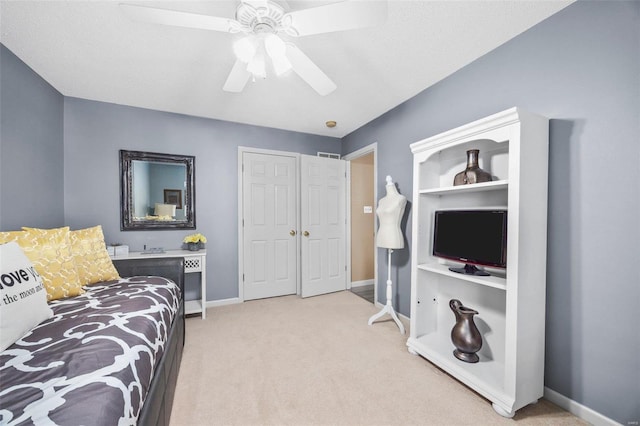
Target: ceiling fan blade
<point x="309" y="72"/>
<point x="346" y="15"/>
<point x="180" y="19"/>
<point x="255" y="3"/>
<point x="238" y="78"/>
<point x="285" y="5"/>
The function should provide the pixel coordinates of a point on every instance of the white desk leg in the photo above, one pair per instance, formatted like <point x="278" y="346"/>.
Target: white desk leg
<point x="388" y="308"/>
<point x="203" y="284"/>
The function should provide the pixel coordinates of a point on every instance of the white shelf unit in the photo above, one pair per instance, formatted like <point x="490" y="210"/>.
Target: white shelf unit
<point x="194" y="262"/>
<point x="513" y="147"/>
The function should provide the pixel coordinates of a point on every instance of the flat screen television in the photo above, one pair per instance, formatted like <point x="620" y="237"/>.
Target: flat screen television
<point x="473" y="237"/>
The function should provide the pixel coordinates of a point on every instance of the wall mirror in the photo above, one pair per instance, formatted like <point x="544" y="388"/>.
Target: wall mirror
<point x="157" y="191"/>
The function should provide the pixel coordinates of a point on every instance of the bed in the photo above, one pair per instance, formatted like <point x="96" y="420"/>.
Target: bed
<point x="107" y="357"/>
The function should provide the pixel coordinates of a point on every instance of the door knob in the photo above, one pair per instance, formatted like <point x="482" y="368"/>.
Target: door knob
<point x="292" y="232"/>
<point x="305" y="233"/>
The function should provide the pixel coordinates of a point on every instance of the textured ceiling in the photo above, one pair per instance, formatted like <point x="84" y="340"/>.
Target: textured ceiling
<point x="91" y="50"/>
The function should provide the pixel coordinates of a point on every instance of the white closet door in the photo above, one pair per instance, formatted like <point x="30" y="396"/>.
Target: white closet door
<point x="323" y="227"/>
<point x="270" y="208"/>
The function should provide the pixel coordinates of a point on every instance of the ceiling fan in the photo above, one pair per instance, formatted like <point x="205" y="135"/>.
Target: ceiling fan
<point x="263" y="23"/>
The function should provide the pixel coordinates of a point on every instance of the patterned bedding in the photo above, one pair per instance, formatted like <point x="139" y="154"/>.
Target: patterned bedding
<point x="92" y="363"/>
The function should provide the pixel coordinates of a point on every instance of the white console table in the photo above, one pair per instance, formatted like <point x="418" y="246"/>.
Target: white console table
<point x="194" y="261"/>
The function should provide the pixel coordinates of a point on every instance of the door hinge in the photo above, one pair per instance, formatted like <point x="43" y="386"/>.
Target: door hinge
<point x="242" y="277"/>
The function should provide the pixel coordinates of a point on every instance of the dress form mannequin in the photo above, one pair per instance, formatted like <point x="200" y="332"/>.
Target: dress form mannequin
<point x="390" y="211"/>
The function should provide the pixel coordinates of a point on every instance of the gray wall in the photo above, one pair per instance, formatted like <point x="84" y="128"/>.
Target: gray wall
<point x="31" y="148"/>
<point x="95" y="131"/>
<point x="580" y="68"/>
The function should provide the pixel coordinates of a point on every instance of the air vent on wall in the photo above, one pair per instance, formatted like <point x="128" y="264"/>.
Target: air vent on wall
<point x="329" y="155"/>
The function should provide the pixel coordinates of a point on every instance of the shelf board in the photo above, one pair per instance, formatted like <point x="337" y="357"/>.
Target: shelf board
<point x="192" y="307"/>
<point x="491" y="281"/>
<point x="494" y="185"/>
<point x="485" y="377"/>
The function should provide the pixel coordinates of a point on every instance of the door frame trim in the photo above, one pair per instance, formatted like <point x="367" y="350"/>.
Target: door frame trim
<point x="241" y="151"/>
<point x="371" y="148"/>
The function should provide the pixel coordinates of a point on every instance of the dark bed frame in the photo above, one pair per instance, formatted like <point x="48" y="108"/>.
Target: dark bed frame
<point x="157" y="407"/>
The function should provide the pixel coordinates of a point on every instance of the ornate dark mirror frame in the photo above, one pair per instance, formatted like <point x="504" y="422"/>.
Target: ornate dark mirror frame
<point x="127" y="222"/>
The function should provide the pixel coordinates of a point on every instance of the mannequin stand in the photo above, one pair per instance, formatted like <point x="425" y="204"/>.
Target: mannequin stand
<point x="388" y="308"/>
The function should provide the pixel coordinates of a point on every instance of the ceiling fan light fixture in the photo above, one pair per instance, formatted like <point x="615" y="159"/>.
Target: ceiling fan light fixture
<point x="281" y="65"/>
<point x="257" y="66"/>
<point x="245" y="49"/>
<point x="277" y="51"/>
<point x="275" y="46"/>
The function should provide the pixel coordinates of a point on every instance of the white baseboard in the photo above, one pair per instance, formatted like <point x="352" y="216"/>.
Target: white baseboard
<point x="361" y="283"/>
<point x="585" y="413"/>
<point x="222" y="302"/>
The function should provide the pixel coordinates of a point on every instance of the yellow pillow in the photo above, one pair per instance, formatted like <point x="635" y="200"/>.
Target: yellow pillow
<point x="50" y="252"/>
<point x="90" y="256"/>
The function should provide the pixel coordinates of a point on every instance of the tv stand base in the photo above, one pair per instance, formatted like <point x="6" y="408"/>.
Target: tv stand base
<point x="470" y="270"/>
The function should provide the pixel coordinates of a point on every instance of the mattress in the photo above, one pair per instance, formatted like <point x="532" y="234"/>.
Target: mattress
<point x="91" y="363"/>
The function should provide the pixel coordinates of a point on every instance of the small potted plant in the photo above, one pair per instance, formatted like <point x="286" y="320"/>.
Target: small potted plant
<point x="194" y="241"/>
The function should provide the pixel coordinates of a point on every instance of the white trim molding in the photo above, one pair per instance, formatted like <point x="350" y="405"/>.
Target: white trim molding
<point x="371" y="148"/>
<point x="577" y="409"/>
<point x="362" y="283"/>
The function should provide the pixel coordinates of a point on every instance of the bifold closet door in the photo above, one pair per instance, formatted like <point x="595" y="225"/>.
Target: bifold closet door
<point x="270" y="210"/>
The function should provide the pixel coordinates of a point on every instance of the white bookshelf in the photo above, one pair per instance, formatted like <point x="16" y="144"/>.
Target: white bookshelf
<point x="495" y="185"/>
<point x="513" y="147"/>
<point x="495" y="281"/>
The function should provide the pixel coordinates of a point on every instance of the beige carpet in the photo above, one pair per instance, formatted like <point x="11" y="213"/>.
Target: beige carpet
<point x="293" y="361"/>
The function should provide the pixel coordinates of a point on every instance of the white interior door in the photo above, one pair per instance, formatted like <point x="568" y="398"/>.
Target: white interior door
<point x="269" y="216"/>
<point x="323" y="225"/>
